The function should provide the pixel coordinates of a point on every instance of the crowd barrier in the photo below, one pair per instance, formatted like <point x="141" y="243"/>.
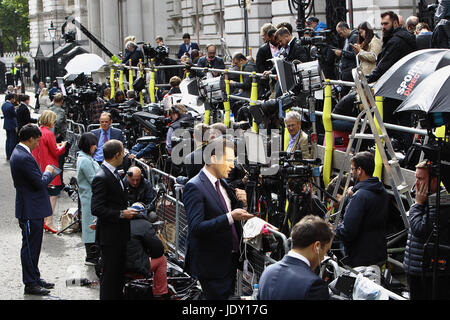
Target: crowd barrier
<point x="170" y="209"/>
<point x="73" y="135"/>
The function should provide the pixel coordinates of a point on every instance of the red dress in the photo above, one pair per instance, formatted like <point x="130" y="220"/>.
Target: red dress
<point x="47" y="152"/>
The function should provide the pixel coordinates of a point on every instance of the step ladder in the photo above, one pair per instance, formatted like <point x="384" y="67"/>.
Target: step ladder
<point x="384" y="146"/>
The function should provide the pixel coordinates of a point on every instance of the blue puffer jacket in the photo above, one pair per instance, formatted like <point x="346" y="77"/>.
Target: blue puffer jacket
<point x="363" y="229"/>
<point x="421" y="226"/>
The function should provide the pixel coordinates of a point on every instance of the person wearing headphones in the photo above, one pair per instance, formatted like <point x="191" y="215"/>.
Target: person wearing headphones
<point x="293" y="277"/>
<point x="145" y="251"/>
<point x="177" y="113"/>
<point x="138" y="188"/>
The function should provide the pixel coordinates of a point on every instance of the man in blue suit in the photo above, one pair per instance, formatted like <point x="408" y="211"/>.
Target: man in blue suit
<point x="32" y="206"/>
<point x="10" y="124"/>
<point x="187" y="46"/>
<point x="293" y="277"/>
<point x="213" y="215"/>
<point x="105" y="133"/>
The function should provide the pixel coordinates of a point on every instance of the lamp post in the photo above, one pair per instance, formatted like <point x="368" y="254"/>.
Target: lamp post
<point x="1" y="43"/>
<point x="19" y="45"/>
<point x="52" y="35"/>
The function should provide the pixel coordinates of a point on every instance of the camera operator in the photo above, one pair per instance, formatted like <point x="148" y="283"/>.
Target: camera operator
<point x="209" y="61"/>
<point x="133" y="53"/>
<point x="298" y="139"/>
<point x="441" y="34"/>
<point x="244" y="86"/>
<point x="417" y="261"/>
<point x="162" y="59"/>
<point x="177" y="113"/>
<point x="194" y="161"/>
<point x="138" y="188"/>
<point x="347" y="54"/>
<point x="363" y="229"/>
<point x="131" y="100"/>
<point x="174" y="86"/>
<point x="294" y="278"/>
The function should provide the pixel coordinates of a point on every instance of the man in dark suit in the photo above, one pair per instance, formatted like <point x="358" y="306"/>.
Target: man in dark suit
<point x="293" y="277"/>
<point x="23" y="113"/>
<point x="187" y="46"/>
<point x="293" y="50"/>
<point x="10" y="124"/>
<point x="243" y="86"/>
<point x="213" y="215"/>
<point x="109" y="204"/>
<point x="32" y="206"/>
<point x="133" y="54"/>
<point x="210" y="60"/>
<point x="105" y="133"/>
<point x="265" y="53"/>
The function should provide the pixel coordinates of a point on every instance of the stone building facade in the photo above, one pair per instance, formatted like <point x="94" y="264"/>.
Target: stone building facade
<point x="208" y="21"/>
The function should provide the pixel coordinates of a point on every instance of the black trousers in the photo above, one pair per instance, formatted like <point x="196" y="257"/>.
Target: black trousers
<point x="222" y="288"/>
<point x="11" y="141"/>
<point x="421" y="288"/>
<point x="32" y="232"/>
<point x="113" y="276"/>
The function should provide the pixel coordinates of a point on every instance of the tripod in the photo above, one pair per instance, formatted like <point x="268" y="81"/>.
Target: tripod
<point x="434" y="249"/>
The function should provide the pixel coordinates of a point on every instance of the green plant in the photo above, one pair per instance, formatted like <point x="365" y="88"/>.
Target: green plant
<point x="20" y="59"/>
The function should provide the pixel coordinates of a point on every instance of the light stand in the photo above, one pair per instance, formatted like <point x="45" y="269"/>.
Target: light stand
<point x="52" y="35"/>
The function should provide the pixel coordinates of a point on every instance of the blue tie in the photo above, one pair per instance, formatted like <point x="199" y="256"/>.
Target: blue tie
<point x="233" y="228"/>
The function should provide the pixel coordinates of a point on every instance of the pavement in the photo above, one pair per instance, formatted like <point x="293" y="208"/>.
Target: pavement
<point x="62" y="256"/>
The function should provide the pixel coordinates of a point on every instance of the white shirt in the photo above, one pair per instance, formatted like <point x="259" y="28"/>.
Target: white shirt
<point x="112" y="169"/>
<point x="213" y="180"/>
<point x="296" y="255"/>
<point x="25" y="146"/>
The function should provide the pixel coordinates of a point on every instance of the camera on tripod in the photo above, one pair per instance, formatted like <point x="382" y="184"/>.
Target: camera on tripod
<point x="158" y="53"/>
<point x="270" y="108"/>
<point x="291" y="169"/>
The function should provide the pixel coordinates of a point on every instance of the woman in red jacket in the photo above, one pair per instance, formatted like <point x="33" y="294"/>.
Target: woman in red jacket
<point x="47" y="153"/>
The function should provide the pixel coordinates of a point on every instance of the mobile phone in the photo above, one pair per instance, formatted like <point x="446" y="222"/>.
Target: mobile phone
<point x="56" y="171"/>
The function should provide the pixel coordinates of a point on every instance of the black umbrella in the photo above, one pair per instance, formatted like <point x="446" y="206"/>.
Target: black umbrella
<point x="432" y="97"/>
<point x="404" y="76"/>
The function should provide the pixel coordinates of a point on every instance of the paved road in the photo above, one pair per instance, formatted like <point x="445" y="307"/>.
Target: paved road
<point x="62" y="257"/>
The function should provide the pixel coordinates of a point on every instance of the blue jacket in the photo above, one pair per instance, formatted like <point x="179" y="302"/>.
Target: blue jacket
<point x="86" y="170"/>
<point x="421" y="227"/>
<point x="113" y="134"/>
<point x="363" y="230"/>
<point x="209" y="240"/>
<point x="320" y="26"/>
<point x="291" y="279"/>
<point x="182" y="49"/>
<point x="32" y="200"/>
<point x="9" y="112"/>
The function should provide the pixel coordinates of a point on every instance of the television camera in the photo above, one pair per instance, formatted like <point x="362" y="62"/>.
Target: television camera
<point x="79" y="94"/>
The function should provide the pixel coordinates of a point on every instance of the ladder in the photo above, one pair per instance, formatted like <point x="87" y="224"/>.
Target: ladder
<point x="384" y="146"/>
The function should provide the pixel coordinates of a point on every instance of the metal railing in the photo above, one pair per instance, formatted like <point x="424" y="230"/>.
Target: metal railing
<point x="73" y="135"/>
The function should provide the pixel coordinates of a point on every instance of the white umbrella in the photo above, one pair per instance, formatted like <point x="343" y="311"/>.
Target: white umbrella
<point x="84" y="63"/>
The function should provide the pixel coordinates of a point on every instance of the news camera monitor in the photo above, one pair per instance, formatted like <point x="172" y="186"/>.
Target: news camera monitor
<point x="60" y="81"/>
<point x="255" y="148"/>
<point x="189" y="87"/>
<point x="310" y="75"/>
<point x="286" y="75"/>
